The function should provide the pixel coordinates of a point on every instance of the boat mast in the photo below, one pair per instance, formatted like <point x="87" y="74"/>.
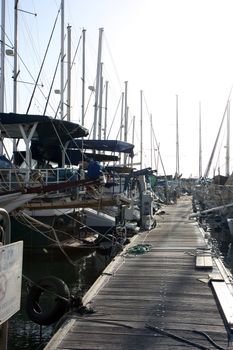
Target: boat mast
<point x="217" y="138"/>
<point x="122" y="115"/>
<point x="3" y="25"/>
<point x="228" y="141"/>
<point x="200" y="143"/>
<point x="141" y="130"/>
<point x="126" y="117"/>
<point x="62" y="61"/>
<point x="83" y="75"/>
<point x="177" y="140"/>
<point x="97" y="81"/>
<point x="3" y="45"/>
<point x="68" y="71"/>
<point x="133" y="137"/>
<point x="122" y="121"/>
<point x="106" y="109"/>
<point x="15" y="73"/>
<point x="151" y="143"/>
<point x="100" y="102"/>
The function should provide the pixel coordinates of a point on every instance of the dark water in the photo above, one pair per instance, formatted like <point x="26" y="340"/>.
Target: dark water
<point x="25" y="334"/>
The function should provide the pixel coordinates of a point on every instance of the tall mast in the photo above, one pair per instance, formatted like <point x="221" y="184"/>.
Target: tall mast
<point x="4" y="335"/>
<point x="126" y="117"/>
<point x="151" y="142"/>
<point x="177" y="140"/>
<point x="100" y="102"/>
<point x="97" y="81"/>
<point x="122" y="121"/>
<point x="15" y="73"/>
<point x="200" y="143"/>
<point x="122" y="115"/>
<point x="141" y="131"/>
<point x="3" y="24"/>
<point x="106" y="109"/>
<point x="133" y="137"/>
<point x="228" y="141"/>
<point x="68" y="71"/>
<point x="3" y="46"/>
<point x="62" y="60"/>
<point x="83" y="76"/>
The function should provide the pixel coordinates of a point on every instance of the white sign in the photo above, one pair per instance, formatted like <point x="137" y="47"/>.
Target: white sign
<point x="11" y="260"/>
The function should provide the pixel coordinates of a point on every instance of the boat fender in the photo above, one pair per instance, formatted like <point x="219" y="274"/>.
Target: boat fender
<point x="55" y="289"/>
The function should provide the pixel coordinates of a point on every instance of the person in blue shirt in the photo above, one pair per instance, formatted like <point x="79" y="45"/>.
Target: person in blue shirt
<point x="94" y="170"/>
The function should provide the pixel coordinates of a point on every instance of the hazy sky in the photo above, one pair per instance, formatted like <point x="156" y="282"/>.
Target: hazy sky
<point x="162" y="47"/>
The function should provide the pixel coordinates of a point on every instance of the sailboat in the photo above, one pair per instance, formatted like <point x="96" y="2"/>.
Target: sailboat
<point x="212" y="199"/>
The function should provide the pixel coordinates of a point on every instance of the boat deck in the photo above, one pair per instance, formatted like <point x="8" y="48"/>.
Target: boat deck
<point x="177" y="295"/>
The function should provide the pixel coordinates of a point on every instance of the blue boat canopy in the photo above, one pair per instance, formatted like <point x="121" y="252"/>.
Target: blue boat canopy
<point x="72" y="156"/>
<point x="48" y="130"/>
<point x="103" y="145"/>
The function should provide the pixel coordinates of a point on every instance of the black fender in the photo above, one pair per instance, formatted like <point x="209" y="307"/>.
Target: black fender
<point x="57" y="303"/>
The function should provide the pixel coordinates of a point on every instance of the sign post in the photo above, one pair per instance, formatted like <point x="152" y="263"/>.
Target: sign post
<point x="11" y="257"/>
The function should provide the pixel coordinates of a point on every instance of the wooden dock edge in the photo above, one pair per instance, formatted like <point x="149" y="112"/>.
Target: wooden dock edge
<point x="222" y="287"/>
<point x="89" y="295"/>
<point x="59" y="335"/>
<point x="107" y="273"/>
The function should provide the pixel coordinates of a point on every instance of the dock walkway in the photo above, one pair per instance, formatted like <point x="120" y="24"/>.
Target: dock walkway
<point x="175" y="296"/>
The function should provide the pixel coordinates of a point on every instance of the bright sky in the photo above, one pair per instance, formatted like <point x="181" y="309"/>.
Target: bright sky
<point x="162" y="47"/>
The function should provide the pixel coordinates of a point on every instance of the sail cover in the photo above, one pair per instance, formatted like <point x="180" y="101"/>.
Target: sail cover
<point x="103" y="145"/>
<point x="48" y="130"/>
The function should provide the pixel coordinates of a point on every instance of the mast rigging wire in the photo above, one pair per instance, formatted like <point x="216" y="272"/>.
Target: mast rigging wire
<point x="216" y="141"/>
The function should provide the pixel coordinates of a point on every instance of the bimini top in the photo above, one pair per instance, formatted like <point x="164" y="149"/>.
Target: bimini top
<point x="103" y="145"/>
<point x="48" y="130"/>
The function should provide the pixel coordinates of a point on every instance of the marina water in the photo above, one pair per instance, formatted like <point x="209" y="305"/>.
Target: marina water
<point x="78" y="270"/>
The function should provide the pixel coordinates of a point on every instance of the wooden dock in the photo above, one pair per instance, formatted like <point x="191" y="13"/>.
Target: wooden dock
<point x="175" y="296"/>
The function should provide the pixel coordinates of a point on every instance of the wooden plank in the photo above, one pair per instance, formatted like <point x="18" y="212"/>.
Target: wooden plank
<point x="204" y="262"/>
<point x="225" y="299"/>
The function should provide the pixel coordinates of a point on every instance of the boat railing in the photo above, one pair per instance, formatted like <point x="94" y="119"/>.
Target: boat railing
<point x="17" y="178"/>
<point x="10" y="179"/>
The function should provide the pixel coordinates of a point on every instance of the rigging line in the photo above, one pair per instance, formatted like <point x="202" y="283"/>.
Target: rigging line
<point x="26" y="68"/>
<point x="72" y="64"/>
<point x="5" y="34"/>
<point x="75" y="219"/>
<point x="61" y="144"/>
<point x="46" y="51"/>
<point x="157" y="145"/>
<point x="34" y="81"/>
<point x="159" y="153"/>
<point x="28" y="37"/>
<point x="51" y="86"/>
<point x="114" y="66"/>
<point x="56" y="240"/>
<point x="218" y="155"/>
<point x="88" y="103"/>
<point x="71" y="138"/>
<point x="114" y="117"/>
<point x="146" y="103"/>
<point x="216" y="141"/>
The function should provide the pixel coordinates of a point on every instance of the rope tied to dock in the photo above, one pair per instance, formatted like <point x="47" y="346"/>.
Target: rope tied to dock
<point x="139" y="249"/>
<point x="184" y="340"/>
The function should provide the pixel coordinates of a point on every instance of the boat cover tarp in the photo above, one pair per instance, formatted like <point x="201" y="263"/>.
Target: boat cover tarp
<point x="103" y="145"/>
<point x="48" y="130"/>
<point x="53" y="154"/>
